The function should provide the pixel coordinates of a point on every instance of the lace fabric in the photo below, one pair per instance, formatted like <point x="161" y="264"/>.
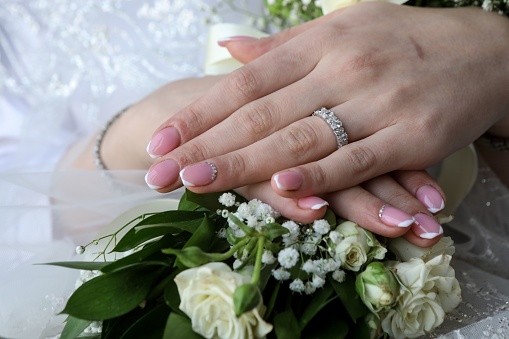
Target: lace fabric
<point x="66" y="66"/>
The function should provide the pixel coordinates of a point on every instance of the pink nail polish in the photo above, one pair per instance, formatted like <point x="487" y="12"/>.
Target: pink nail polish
<point x="392" y="216"/>
<point x="162" y="174"/>
<point x="312" y="203"/>
<point x="288" y="180"/>
<point x="426" y="227"/>
<point x="199" y="174"/>
<point x="165" y="141"/>
<point x="222" y="41"/>
<point x="431" y="198"/>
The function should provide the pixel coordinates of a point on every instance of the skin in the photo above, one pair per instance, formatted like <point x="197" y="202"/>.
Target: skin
<point x="124" y="147"/>
<point x="428" y="87"/>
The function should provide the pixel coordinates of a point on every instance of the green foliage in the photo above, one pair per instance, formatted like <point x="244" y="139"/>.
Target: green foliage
<point x="136" y="295"/>
<point x="111" y="295"/>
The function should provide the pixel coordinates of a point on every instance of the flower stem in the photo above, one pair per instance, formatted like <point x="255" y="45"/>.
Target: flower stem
<point x="226" y="255"/>
<point x="258" y="261"/>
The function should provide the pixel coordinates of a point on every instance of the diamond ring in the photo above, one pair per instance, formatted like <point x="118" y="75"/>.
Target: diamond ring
<point x="334" y="123"/>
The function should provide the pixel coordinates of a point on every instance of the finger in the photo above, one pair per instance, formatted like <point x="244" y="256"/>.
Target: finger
<point x="305" y="140"/>
<point x="363" y="208"/>
<point x="279" y="68"/>
<point x="246" y="50"/>
<point x="304" y="210"/>
<point x="421" y="185"/>
<point x="418" y="241"/>
<point x="389" y="190"/>
<point x="352" y="164"/>
<point x="300" y="142"/>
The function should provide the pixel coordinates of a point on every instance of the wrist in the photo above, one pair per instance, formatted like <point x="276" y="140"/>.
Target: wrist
<point x="123" y="144"/>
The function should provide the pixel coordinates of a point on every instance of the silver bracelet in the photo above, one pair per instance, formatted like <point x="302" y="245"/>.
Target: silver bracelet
<point x="496" y="143"/>
<point x="98" y="161"/>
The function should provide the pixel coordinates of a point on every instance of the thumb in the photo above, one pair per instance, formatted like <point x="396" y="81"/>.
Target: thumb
<point x="246" y="49"/>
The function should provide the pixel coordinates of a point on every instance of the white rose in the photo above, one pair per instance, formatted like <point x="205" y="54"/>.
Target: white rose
<point x="206" y="295"/>
<point x="435" y="276"/>
<point x="405" y="250"/>
<point x="414" y="315"/>
<point x="431" y="291"/>
<point x="357" y="246"/>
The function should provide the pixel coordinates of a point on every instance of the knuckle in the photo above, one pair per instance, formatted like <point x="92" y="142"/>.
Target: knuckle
<point x="360" y="61"/>
<point x="236" y="163"/>
<point x="191" y="153"/>
<point x="361" y="159"/>
<point x="190" y="124"/>
<point x="300" y="139"/>
<point x="257" y="120"/>
<point x="244" y="82"/>
<point x="319" y="177"/>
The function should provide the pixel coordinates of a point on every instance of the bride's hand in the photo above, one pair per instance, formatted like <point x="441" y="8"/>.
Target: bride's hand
<point x="399" y="204"/>
<point x="411" y="85"/>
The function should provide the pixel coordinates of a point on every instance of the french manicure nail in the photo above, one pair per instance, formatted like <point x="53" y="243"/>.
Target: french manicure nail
<point x="288" y="180"/>
<point x="392" y="216"/>
<point x="165" y="141"/>
<point x="199" y="174"/>
<point x="162" y="174"/>
<point x="312" y="203"/>
<point x="221" y="41"/>
<point x="426" y="227"/>
<point x="431" y="198"/>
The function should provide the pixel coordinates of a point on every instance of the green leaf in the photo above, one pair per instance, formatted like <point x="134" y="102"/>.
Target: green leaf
<point x="81" y="265"/>
<point x="248" y="230"/>
<point x="157" y="225"/>
<point x="150" y="252"/>
<point x="203" y="235"/>
<point x="179" y="327"/>
<point x="320" y="299"/>
<point x="349" y="297"/>
<point x="110" y="295"/>
<point x="230" y="236"/>
<point x="187" y="205"/>
<point x="149" y="326"/>
<point x="210" y="201"/>
<point x="286" y="325"/>
<point x="330" y="217"/>
<point x="172" y="297"/>
<point x="74" y="327"/>
<point x="274" y="230"/>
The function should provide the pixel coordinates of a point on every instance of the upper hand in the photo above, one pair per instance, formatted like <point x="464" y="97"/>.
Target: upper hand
<point x="411" y="86"/>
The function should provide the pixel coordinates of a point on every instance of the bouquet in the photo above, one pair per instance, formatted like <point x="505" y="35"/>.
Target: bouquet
<point x="223" y="267"/>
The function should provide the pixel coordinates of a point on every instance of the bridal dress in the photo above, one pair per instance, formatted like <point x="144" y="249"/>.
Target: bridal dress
<point x="66" y="67"/>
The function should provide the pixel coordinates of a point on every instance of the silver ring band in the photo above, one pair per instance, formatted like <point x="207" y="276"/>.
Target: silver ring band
<point x="334" y="123"/>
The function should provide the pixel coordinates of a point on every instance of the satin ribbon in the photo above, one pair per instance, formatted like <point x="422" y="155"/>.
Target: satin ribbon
<point x="458" y="172"/>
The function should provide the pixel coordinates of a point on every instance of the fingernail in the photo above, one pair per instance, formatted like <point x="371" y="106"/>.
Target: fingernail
<point x="426" y="227"/>
<point x="312" y="203"/>
<point x="162" y="174"/>
<point x="199" y="175"/>
<point x="431" y="198"/>
<point x="165" y="141"/>
<point x="222" y="41"/>
<point x="392" y="216"/>
<point x="288" y="181"/>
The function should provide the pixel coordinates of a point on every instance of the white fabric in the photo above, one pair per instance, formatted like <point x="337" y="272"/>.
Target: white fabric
<point x="66" y="66"/>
